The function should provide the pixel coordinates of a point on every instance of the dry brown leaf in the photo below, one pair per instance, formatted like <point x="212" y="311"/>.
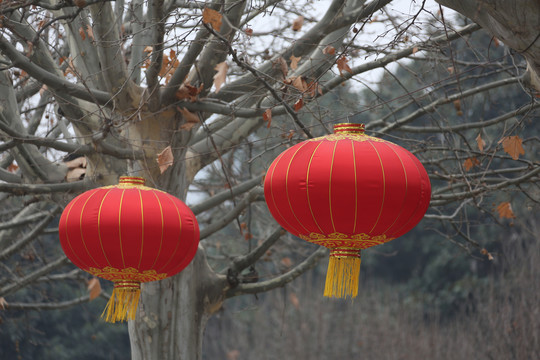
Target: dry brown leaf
<point x="191" y="118"/>
<point x="294" y="300"/>
<point x="283" y="66"/>
<point x="299" y="104"/>
<point x="450" y="69"/>
<point x="90" y="32"/>
<point x="12" y="167"/>
<point x="248" y="31"/>
<point x="80" y="3"/>
<point x="94" y="288"/>
<point x="212" y="17"/>
<point x="512" y="146"/>
<point x="469" y="163"/>
<point x="487" y="253"/>
<point x="480" y="142"/>
<point x="299" y="83"/>
<point x="330" y="50"/>
<point x="3" y="303"/>
<point x="221" y="75"/>
<point x="294" y="61"/>
<point x="342" y="65"/>
<point x="505" y="210"/>
<point x="313" y="88"/>
<point x="165" y="159"/>
<point x="457" y="106"/>
<point x="496" y="42"/>
<point x="415" y="50"/>
<point x="190" y="92"/>
<point x="70" y="67"/>
<point x="267" y="116"/>
<point x="148" y="49"/>
<point x="297" y="23"/>
<point x="287" y="262"/>
<point x="82" y="33"/>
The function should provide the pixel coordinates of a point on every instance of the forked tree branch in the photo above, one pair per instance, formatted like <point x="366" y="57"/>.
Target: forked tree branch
<point x="281" y="280"/>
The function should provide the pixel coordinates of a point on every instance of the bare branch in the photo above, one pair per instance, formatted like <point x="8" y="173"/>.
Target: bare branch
<point x="22" y="282"/>
<point x="281" y="280"/>
<point x="231" y="215"/>
<point x="48" y="305"/>
<point x="240" y="263"/>
<point x="51" y="80"/>
<point x="225" y="195"/>
<point x="24" y="189"/>
<point x="30" y="236"/>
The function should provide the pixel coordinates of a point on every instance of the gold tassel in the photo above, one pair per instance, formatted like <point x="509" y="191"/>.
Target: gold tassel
<point x="123" y="302"/>
<point x="343" y="273"/>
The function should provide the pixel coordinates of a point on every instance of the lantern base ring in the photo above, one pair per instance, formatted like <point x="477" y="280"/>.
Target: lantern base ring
<point x="123" y="302"/>
<point x="343" y="273"/>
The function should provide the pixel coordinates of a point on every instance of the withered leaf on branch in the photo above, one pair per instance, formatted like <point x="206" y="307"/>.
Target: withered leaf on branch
<point x="267" y="116"/>
<point x="469" y="163"/>
<point x="221" y="75"/>
<point x="287" y="262"/>
<point x="487" y="253"/>
<point x="187" y="91"/>
<point x="313" y="88"/>
<point x="299" y="104"/>
<point x="3" y="303"/>
<point x="94" y="288"/>
<point x="299" y="83"/>
<point x="12" y="167"/>
<point x="297" y="23"/>
<point x="212" y="17"/>
<point x="330" y="50"/>
<point x="294" y="62"/>
<point x="342" y="65"/>
<point x="191" y="118"/>
<point x="505" y="210"/>
<point x="512" y="146"/>
<point x="457" y="106"/>
<point x="165" y="159"/>
<point x="282" y="65"/>
<point x="480" y="142"/>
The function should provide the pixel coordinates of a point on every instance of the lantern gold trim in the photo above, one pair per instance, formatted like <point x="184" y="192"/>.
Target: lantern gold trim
<point x="123" y="302"/>
<point x="343" y="273"/>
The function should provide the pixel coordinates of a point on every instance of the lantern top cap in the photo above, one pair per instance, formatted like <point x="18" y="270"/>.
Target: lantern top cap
<point x="131" y="181"/>
<point x="346" y="128"/>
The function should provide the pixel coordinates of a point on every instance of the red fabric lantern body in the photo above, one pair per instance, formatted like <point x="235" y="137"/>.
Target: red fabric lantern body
<point x="347" y="191"/>
<point x="128" y="234"/>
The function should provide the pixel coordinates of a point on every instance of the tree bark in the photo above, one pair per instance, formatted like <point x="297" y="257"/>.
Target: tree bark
<point x="173" y="312"/>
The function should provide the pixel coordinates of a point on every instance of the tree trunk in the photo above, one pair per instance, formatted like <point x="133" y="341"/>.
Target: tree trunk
<point x="173" y="312"/>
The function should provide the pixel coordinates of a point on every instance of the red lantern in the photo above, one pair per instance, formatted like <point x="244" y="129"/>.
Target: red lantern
<point x="347" y="191"/>
<point x="128" y="234"/>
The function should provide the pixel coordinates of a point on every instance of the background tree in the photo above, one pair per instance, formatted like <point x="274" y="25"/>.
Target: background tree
<point x="199" y="97"/>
